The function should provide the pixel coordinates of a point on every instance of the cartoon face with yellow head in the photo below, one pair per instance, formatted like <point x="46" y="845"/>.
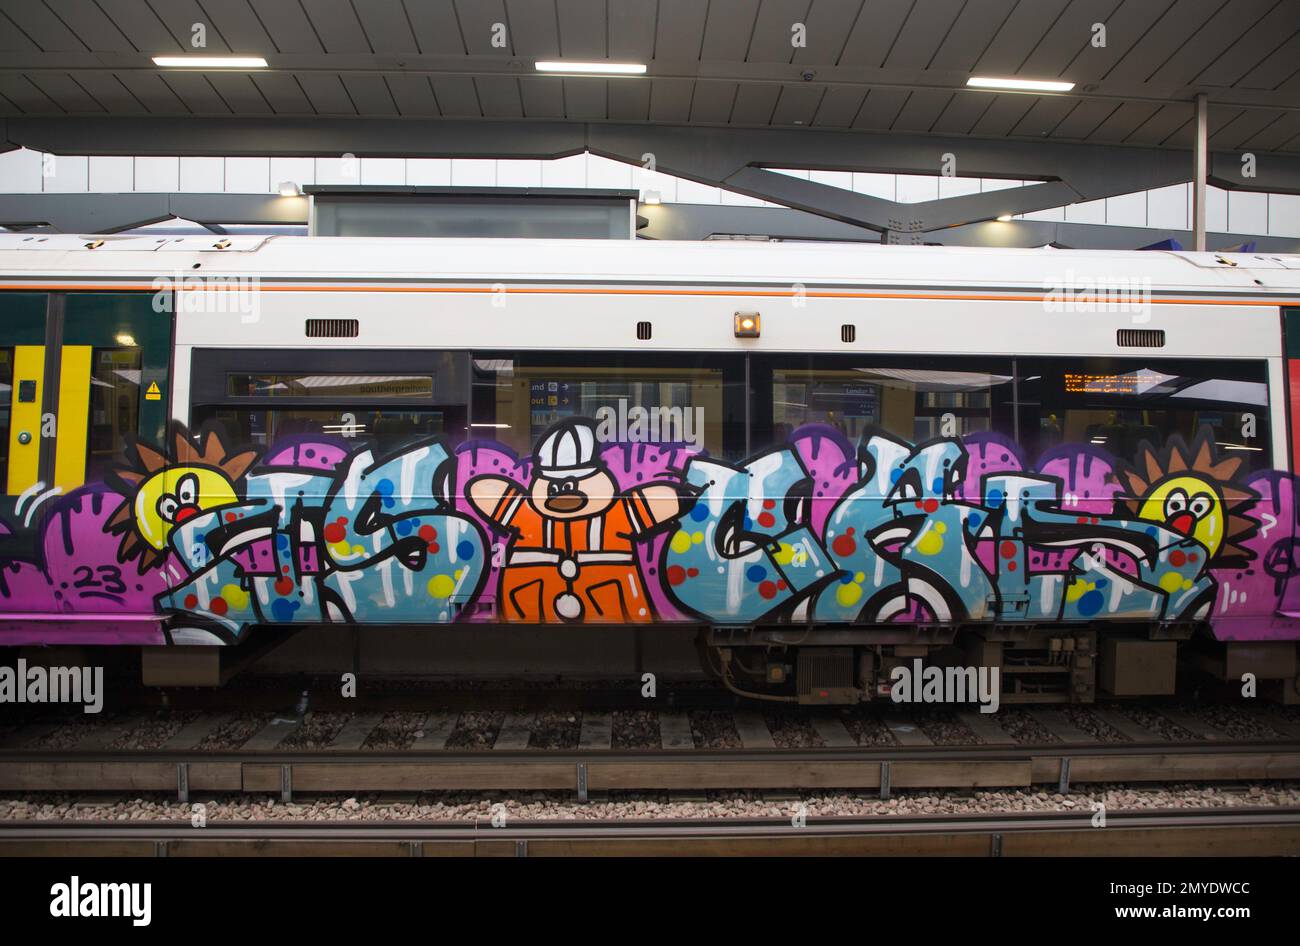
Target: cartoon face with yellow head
<point x="1192" y="493"/>
<point x="1188" y="505"/>
<point x="163" y="492"/>
<point x="167" y="499"/>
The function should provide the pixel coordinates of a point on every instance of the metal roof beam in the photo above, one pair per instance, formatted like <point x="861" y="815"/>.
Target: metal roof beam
<point x="706" y="154"/>
<point x="700" y="221"/>
<point x="895" y="217"/>
<point x="111" y="213"/>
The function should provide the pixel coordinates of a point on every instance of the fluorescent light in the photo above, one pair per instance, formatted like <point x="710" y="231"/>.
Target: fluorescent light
<point x="1019" y="85"/>
<point x="1004" y="218"/>
<point x="594" y="68"/>
<point x="210" y="62"/>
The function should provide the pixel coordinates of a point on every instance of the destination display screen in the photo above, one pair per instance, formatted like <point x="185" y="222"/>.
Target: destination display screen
<point x="1142" y="381"/>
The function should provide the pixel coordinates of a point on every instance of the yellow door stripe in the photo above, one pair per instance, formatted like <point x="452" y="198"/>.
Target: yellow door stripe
<point x="25" y="417"/>
<point x="71" y="444"/>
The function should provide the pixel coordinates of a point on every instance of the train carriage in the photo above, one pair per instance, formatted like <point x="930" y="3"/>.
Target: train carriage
<point x="831" y="460"/>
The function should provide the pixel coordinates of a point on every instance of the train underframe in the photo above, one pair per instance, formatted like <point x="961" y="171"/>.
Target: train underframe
<point x="1057" y="663"/>
<point x="836" y="664"/>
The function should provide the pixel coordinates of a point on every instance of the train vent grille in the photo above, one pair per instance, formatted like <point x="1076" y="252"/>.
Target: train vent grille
<point x="643" y="331"/>
<point x="1140" y="338"/>
<point x="333" y="328"/>
<point x="848" y="333"/>
<point x="824" y="668"/>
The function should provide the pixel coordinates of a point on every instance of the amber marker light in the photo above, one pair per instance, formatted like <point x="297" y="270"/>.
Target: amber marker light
<point x="748" y="324"/>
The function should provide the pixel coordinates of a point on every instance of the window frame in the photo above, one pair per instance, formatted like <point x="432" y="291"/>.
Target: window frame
<point x="210" y="369"/>
<point x="764" y="365"/>
<point x="737" y="395"/>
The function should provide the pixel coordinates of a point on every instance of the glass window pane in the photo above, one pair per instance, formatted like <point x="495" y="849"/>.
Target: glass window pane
<point x="915" y="399"/>
<point x="632" y="399"/>
<point x="335" y="386"/>
<point x="1117" y="403"/>
<point x="384" y="428"/>
<point x="114" y="407"/>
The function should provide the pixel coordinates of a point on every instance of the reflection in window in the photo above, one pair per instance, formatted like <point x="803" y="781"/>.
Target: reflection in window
<point x="915" y="403"/>
<point x="114" y="406"/>
<point x="386" y="429"/>
<point x="337" y="386"/>
<point x="1116" y="404"/>
<point x="515" y="401"/>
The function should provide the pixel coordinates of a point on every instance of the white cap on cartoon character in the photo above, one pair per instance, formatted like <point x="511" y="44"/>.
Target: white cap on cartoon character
<point x="569" y="450"/>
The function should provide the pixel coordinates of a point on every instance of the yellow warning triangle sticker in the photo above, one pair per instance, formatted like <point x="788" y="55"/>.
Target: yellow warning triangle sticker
<point x="152" y="393"/>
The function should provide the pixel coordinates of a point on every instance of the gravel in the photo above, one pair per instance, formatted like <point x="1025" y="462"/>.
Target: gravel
<point x="556" y="730"/>
<point x="1093" y="725"/>
<point x="865" y="725"/>
<point x="476" y="730"/>
<point x="316" y="731"/>
<point x="395" y="731"/>
<point x="790" y="726"/>
<point x="153" y="731"/>
<point x="714" y="729"/>
<point x="1164" y="728"/>
<point x="234" y="733"/>
<point x="1023" y="728"/>
<point x="68" y="734"/>
<point x="1232" y="722"/>
<point x="537" y="806"/>
<point x="791" y="729"/>
<point x="944" y="729"/>
<point x="636" y="729"/>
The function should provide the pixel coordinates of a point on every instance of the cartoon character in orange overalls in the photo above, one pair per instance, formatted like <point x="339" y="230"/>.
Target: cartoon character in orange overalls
<point x="571" y="558"/>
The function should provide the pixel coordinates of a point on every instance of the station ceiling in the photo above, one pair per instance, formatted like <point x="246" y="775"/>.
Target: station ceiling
<point x="874" y="66"/>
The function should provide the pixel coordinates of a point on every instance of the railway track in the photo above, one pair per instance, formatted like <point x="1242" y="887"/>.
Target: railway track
<point x="882" y="769"/>
<point x="1240" y="832"/>
<point x="878" y="751"/>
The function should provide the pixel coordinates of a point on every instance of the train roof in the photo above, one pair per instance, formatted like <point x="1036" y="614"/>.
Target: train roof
<point x="41" y="258"/>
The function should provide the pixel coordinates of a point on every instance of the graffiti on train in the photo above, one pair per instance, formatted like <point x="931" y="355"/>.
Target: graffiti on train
<point x="310" y="532"/>
<point x="955" y="530"/>
<point x="818" y="529"/>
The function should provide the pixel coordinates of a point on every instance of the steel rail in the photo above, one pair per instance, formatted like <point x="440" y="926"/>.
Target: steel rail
<point x="869" y="752"/>
<point x="876" y="768"/>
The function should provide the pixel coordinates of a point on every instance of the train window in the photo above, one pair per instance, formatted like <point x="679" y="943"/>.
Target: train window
<point x="689" y="398"/>
<point x="383" y="428"/>
<point x="334" y="386"/>
<point x="114" y="406"/>
<point x="1118" y="403"/>
<point x="384" y="399"/>
<point x="913" y="398"/>
<point x="112" y="381"/>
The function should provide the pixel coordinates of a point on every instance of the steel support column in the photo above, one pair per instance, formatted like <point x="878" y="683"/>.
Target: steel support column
<point x="1200" y="171"/>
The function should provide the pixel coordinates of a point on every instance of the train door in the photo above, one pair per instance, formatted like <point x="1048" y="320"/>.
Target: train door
<point x="113" y="359"/>
<point x="83" y="374"/>
<point x="23" y="346"/>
